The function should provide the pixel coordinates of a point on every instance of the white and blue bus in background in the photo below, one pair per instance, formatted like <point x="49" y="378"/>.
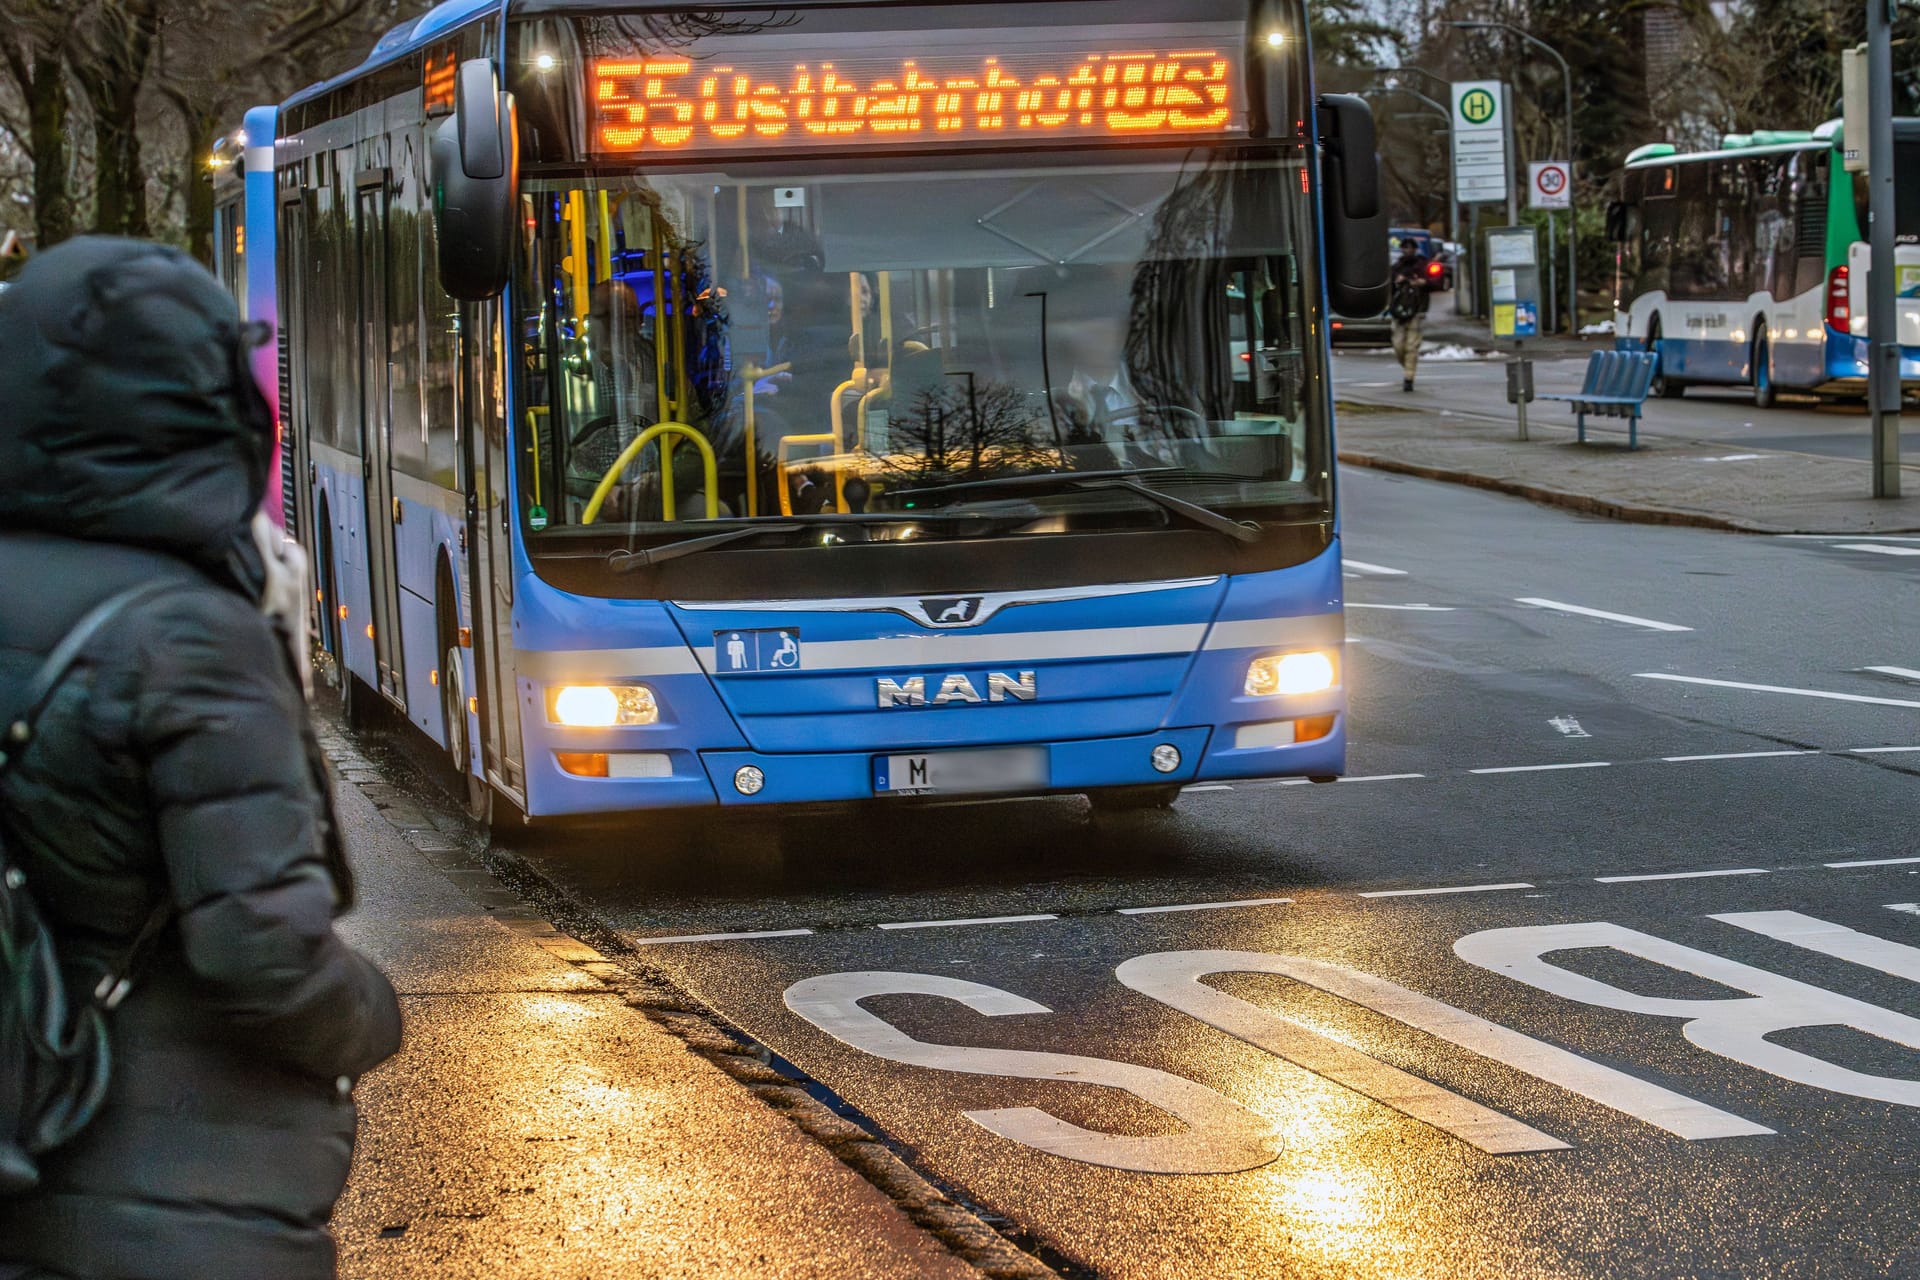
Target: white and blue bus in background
<point x="825" y="403"/>
<point x="1747" y="266"/>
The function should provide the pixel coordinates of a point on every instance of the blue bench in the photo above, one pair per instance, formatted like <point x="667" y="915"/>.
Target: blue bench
<point x="1615" y="387"/>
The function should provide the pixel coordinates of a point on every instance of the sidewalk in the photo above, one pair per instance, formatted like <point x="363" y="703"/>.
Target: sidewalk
<point x="1665" y="481"/>
<point x="539" y="1123"/>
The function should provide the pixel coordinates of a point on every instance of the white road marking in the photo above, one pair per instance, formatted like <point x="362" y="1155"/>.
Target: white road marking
<point x="1875" y="751"/>
<point x="1208" y="786"/>
<point x="1545" y="768"/>
<point x="724" y="937"/>
<point x="1203" y="906"/>
<point x="1175" y="979"/>
<point x="1736" y="1029"/>
<point x="1905" y="673"/>
<point x="1741" y="755"/>
<point x="1881" y="548"/>
<point x="1452" y="888"/>
<point x="1871" y="862"/>
<point x="1405" y="608"/>
<point x="1583" y="611"/>
<point x="949" y="924"/>
<point x="1911" y="908"/>
<point x="1682" y="875"/>
<point x="1219" y="1135"/>
<point x="1893" y="958"/>
<point x="1775" y="688"/>
<point x="1364" y="567"/>
<point x="1829" y="537"/>
<point x="1569" y="726"/>
<point x="1383" y="777"/>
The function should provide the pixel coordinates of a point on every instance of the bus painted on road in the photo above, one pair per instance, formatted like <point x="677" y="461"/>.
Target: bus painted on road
<point x="745" y="406"/>
<point x="1747" y="266"/>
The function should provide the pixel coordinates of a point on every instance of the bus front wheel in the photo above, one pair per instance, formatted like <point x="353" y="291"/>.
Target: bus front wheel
<point x="1764" y="396"/>
<point x="1662" y="386"/>
<point x="478" y="797"/>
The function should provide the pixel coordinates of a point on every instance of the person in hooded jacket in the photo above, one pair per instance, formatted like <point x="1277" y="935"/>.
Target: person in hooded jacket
<point x="177" y="765"/>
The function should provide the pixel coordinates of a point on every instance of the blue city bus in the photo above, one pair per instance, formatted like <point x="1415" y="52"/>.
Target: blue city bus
<point x="827" y="403"/>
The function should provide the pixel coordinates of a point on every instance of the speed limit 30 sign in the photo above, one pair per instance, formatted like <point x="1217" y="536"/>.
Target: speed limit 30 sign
<point x="1549" y="185"/>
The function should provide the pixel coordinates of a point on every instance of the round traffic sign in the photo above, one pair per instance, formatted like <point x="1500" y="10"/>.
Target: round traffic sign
<point x="1477" y="106"/>
<point x="1551" y="179"/>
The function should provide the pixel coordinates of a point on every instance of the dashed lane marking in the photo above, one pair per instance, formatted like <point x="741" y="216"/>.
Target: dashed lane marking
<point x="1208" y="786"/>
<point x="1203" y="906"/>
<point x="1740" y="755"/>
<point x="1682" y="875"/>
<point x="1454" y="888"/>
<point x="1876" y="751"/>
<point x="1383" y="777"/>
<point x="749" y="936"/>
<point x="950" y="924"/>
<point x="1629" y="619"/>
<point x="1364" y="567"/>
<point x="1776" y="688"/>
<point x="1404" y="608"/>
<point x="1882" y="548"/>
<point x="1911" y="908"/>
<point x="1905" y="673"/>
<point x="1545" y="768"/>
<point x="1869" y="862"/>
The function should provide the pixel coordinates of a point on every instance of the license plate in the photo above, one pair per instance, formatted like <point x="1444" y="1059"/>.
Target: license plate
<point x="961" y="772"/>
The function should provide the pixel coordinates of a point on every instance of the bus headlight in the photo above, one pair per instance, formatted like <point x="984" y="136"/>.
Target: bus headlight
<point x="1309" y="672"/>
<point x="601" y="706"/>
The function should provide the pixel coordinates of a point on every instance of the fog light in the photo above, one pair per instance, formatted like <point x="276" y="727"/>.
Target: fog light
<point x="600" y="706"/>
<point x="748" y="780"/>
<point x="1309" y="672"/>
<point x="1166" y="757"/>
<point x="582" y="764"/>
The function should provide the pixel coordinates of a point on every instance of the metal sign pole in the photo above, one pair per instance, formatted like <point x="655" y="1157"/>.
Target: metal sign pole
<point x="1883" y="370"/>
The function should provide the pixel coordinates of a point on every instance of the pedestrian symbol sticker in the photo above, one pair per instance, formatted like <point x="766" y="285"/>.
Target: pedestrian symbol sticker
<point x="1477" y="106"/>
<point x="740" y="652"/>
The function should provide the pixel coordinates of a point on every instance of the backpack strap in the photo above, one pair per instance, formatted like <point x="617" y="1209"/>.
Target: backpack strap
<point x="46" y="681"/>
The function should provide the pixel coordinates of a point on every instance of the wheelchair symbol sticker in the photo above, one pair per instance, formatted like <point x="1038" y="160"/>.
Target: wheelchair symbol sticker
<point x="740" y="652"/>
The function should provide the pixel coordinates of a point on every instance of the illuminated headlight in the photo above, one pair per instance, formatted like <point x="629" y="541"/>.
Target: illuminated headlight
<point x="601" y="706"/>
<point x="1309" y="672"/>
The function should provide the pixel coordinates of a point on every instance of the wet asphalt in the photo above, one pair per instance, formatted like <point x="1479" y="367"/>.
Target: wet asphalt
<point x="1507" y="753"/>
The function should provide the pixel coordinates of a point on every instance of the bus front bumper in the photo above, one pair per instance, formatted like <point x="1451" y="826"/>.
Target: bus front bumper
<point x="748" y="778"/>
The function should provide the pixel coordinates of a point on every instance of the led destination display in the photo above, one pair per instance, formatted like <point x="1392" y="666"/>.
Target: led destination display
<point x="1056" y="89"/>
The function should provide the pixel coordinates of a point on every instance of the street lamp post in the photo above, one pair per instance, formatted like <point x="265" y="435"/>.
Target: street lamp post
<point x="1573" y="211"/>
<point x="1446" y="117"/>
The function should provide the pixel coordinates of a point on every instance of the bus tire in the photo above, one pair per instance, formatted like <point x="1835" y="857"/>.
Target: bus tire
<point x="1764" y="396"/>
<point x="1662" y="386"/>
<point x="476" y="793"/>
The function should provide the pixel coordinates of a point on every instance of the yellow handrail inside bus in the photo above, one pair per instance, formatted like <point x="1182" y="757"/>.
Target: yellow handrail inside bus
<point x="752" y="373"/>
<point x="837" y="438"/>
<point x="632" y="451"/>
<point x="533" y="438"/>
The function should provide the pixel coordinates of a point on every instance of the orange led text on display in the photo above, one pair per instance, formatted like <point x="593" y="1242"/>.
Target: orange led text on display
<point x="665" y="103"/>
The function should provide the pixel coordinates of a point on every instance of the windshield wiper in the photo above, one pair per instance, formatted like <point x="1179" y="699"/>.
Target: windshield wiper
<point x="630" y="561"/>
<point x="1126" y="481"/>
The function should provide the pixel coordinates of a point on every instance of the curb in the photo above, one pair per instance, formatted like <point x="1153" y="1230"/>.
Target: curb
<point x="1588" y="504"/>
<point x="448" y="842"/>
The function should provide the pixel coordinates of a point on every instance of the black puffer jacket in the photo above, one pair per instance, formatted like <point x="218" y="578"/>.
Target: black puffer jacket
<point x="177" y="762"/>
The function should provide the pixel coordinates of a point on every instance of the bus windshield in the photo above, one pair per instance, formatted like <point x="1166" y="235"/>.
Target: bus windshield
<point x="852" y="337"/>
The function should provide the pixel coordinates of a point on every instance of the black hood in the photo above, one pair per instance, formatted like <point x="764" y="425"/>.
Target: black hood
<point x="127" y="412"/>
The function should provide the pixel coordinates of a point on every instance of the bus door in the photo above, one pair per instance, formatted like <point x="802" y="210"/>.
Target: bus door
<point x="490" y="541"/>
<point x="296" y="490"/>
<point x="376" y="432"/>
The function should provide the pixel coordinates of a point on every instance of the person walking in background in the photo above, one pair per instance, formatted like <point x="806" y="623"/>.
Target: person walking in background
<point x="174" y="777"/>
<point x="1407" y="307"/>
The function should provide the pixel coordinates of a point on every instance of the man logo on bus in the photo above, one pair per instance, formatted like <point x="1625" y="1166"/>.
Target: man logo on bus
<point x="1477" y="106"/>
<point x="951" y="612"/>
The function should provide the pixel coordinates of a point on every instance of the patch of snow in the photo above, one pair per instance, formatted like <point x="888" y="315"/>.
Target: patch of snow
<point x="1603" y="329"/>
<point x="1448" y="351"/>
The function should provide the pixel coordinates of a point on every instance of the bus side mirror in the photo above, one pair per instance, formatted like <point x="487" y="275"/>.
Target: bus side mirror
<point x="1353" y="214"/>
<point x="476" y="185"/>
<point x="1617" y="222"/>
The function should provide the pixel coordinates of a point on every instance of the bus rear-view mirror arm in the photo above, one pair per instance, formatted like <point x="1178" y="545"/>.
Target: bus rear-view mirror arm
<point x="476" y="185"/>
<point x="1353" y="214"/>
